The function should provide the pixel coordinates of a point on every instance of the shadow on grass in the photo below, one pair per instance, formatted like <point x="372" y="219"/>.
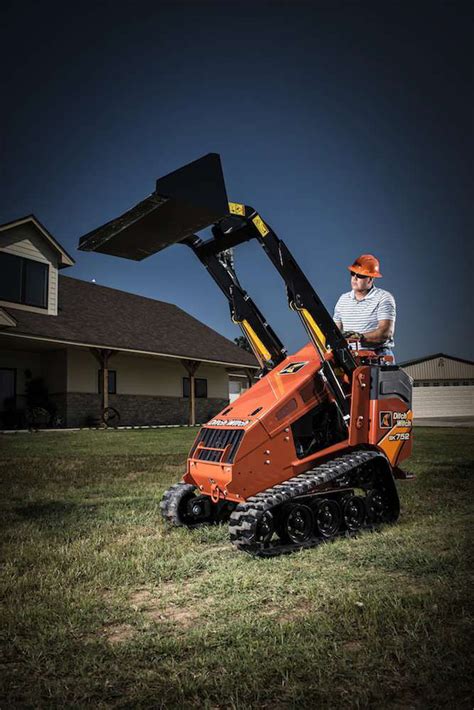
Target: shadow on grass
<point x="63" y="520"/>
<point x="457" y="469"/>
<point x="352" y="656"/>
<point x="54" y="509"/>
<point x="60" y="513"/>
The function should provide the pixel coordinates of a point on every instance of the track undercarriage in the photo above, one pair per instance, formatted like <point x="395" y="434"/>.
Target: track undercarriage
<point x="343" y="496"/>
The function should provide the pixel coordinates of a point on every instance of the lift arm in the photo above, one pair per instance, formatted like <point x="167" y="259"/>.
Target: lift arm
<point x="265" y="344"/>
<point x="302" y="297"/>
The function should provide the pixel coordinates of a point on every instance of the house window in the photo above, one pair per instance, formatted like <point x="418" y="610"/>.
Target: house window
<point x="112" y="381"/>
<point x="235" y="387"/>
<point x="23" y="280"/>
<point x="7" y="387"/>
<point x="200" y="387"/>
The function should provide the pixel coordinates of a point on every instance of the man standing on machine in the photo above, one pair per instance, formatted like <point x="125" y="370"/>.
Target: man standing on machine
<point x="367" y="313"/>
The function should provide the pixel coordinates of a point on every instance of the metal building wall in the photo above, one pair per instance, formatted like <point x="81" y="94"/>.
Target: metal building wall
<point x="443" y="402"/>
<point x="443" y="387"/>
<point x="441" y="368"/>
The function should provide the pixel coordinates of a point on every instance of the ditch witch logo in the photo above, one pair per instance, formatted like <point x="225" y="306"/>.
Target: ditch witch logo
<point x="386" y="420"/>
<point x="391" y="419"/>
<point x="229" y="422"/>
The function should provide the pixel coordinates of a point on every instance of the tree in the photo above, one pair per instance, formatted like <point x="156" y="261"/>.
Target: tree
<point x="243" y="343"/>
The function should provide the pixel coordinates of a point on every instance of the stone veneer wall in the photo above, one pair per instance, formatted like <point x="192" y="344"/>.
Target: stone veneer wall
<point x="140" y="409"/>
<point x="60" y="402"/>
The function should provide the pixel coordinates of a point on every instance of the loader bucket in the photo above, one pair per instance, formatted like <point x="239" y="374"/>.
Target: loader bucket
<point x="185" y="201"/>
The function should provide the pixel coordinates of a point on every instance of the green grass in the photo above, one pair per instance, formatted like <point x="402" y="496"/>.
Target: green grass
<point x="104" y="607"/>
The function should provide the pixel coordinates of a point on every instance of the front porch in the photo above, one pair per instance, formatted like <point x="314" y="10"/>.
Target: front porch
<point x="76" y="383"/>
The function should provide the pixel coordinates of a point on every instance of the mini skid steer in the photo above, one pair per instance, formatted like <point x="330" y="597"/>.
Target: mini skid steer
<point x="312" y="449"/>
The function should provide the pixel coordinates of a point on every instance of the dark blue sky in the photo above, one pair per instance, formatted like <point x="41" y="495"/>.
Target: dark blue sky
<point x="347" y="125"/>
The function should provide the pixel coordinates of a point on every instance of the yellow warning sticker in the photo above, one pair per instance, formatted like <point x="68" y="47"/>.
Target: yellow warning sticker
<point x="261" y="226"/>
<point x="236" y="208"/>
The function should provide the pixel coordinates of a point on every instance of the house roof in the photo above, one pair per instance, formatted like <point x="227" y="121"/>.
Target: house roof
<point x="434" y="357"/>
<point x="64" y="258"/>
<point x="6" y="319"/>
<point x="93" y="315"/>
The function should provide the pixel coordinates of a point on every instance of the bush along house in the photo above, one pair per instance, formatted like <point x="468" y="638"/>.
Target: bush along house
<point x="70" y="349"/>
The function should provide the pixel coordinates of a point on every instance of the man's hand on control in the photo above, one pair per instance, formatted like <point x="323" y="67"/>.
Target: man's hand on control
<point x="351" y="335"/>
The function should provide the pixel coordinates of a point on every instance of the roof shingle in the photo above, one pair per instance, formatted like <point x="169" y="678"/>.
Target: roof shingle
<point x="98" y="315"/>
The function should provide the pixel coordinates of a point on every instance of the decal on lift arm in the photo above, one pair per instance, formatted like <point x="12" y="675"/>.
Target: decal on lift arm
<point x="293" y="368"/>
<point x="261" y="226"/>
<point x="237" y="208"/>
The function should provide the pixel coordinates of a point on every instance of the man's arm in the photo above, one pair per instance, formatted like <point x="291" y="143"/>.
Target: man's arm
<point x="386" y="314"/>
<point x="381" y="334"/>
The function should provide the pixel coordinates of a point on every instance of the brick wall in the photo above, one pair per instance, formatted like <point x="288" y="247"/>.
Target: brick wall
<point x="60" y="402"/>
<point x="84" y="407"/>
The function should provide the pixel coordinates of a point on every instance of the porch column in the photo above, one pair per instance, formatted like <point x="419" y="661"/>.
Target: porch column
<point x="249" y="374"/>
<point x="191" y="366"/>
<point x="103" y="355"/>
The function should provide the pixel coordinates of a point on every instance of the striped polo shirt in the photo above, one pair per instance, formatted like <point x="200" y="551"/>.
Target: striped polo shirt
<point x="364" y="315"/>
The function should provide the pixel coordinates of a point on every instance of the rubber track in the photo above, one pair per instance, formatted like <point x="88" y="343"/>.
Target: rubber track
<point x="246" y="516"/>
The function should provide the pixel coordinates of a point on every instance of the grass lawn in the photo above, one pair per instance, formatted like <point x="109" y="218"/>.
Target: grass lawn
<point x="104" y="607"/>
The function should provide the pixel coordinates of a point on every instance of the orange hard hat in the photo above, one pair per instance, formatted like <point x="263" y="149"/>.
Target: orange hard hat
<point x="367" y="265"/>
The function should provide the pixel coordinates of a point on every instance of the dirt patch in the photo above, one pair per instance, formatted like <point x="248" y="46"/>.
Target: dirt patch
<point x="293" y="614"/>
<point x="140" y="597"/>
<point x="119" y="633"/>
<point x="144" y="595"/>
<point x="183" y="617"/>
<point x="171" y="588"/>
<point x="158" y="608"/>
<point x="184" y="587"/>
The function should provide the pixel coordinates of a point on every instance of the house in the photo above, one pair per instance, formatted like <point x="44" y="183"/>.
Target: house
<point x="162" y="365"/>
<point x="443" y="386"/>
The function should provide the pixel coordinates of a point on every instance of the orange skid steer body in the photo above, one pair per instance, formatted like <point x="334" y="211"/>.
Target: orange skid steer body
<point x="251" y="445"/>
<point x="312" y="449"/>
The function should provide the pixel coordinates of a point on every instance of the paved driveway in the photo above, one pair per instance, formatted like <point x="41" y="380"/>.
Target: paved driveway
<point x="445" y="421"/>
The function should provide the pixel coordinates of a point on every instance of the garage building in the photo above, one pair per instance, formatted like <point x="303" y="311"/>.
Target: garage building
<point x="443" y="386"/>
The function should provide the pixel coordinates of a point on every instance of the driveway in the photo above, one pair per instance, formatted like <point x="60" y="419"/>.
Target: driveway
<point x="444" y="421"/>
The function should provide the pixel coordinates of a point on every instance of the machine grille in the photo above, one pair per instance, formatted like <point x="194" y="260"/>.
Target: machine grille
<point x="218" y="445"/>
